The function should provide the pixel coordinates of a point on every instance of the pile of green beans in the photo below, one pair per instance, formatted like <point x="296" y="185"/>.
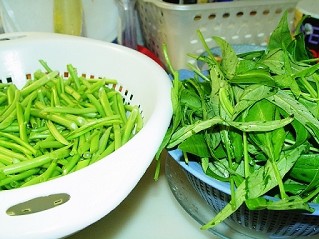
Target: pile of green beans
<point x="58" y="124"/>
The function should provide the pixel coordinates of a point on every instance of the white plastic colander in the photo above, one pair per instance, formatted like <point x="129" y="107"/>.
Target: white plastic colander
<point x="72" y="202"/>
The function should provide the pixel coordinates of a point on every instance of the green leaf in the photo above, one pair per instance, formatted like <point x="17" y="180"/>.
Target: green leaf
<point x="250" y="96"/>
<point x="186" y="131"/>
<point x="292" y="107"/>
<point x="299" y="136"/>
<point x="261" y="77"/>
<point x="281" y="36"/>
<point x="257" y="184"/>
<point x="274" y="60"/>
<point x="229" y="56"/>
<point x="260" y="126"/>
<point x="195" y="145"/>
<point x="217" y="169"/>
<point x="306" y="168"/>
<point x="289" y="203"/>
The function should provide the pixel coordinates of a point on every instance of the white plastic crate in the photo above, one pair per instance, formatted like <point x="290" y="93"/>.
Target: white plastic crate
<point x="238" y="22"/>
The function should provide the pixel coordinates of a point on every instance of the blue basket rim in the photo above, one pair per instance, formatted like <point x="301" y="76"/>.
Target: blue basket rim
<point x="195" y="169"/>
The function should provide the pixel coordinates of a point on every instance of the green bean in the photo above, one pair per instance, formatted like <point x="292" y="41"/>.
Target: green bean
<point x="55" y="98"/>
<point x="26" y="113"/>
<point x="35" y="162"/>
<point x="83" y="146"/>
<point x="3" y="98"/>
<point x="96" y="104"/>
<point x="72" y="92"/>
<point x="96" y="86"/>
<point x="17" y="177"/>
<point x="79" y="120"/>
<point x="18" y="141"/>
<point x="49" y="144"/>
<point x="57" y="135"/>
<point x="67" y="99"/>
<point x="11" y="107"/>
<point x="129" y="126"/>
<point x="82" y="164"/>
<point x="15" y="147"/>
<point x="105" y="153"/>
<point x="104" y="140"/>
<point x="75" y="146"/>
<point x="21" y="122"/>
<point x="13" y="155"/>
<point x="5" y="159"/>
<point x="60" y="85"/>
<point x="70" y="110"/>
<point x="55" y="118"/>
<point x="105" y="102"/>
<point x="45" y="65"/>
<point x="8" y="120"/>
<point x="120" y="107"/>
<point x="114" y="105"/>
<point x="4" y="85"/>
<point x="40" y="96"/>
<point x="39" y="133"/>
<point x="117" y="136"/>
<point x="71" y="164"/>
<point x="106" y="121"/>
<point x="42" y="177"/>
<point x="11" y="93"/>
<point x="139" y="123"/>
<point x="74" y="75"/>
<point x="55" y="126"/>
<point x="38" y="83"/>
<point x="84" y="83"/>
<point x="94" y="141"/>
<point x="12" y="128"/>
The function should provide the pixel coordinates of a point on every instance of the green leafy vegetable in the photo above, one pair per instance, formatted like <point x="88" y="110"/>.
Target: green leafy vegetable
<point x="252" y="120"/>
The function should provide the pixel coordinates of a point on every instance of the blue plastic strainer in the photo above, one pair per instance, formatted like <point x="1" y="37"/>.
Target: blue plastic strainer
<point x="276" y="224"/>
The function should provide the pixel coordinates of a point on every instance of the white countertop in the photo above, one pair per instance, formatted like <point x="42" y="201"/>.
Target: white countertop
<point x="149" y="212"/>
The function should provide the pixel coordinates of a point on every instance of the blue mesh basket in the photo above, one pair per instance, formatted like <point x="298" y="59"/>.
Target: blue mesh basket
<point x="276" y="224"/>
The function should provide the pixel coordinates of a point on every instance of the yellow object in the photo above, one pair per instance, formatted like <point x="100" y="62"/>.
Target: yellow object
<point x="67" y="17"/>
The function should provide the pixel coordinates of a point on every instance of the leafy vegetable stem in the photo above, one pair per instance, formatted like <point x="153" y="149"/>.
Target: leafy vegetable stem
<point x="198" y="72"/>
<point x="310" y="89"/>
<point x="311" y="195"/>
<point x="227" y="143"/>
<point x="316" y="79"/>
<point x="207" y="49"/>
<point x="279" y="179"/>
<point x="170" y="67"/>
<point x="225" y="102"/>
<point x="291" y="142"/>
<point x="245" y="151"/>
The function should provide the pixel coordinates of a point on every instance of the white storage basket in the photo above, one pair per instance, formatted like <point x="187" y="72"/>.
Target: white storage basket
<point x="86" y="195"/>
<point x="239" y="22"/>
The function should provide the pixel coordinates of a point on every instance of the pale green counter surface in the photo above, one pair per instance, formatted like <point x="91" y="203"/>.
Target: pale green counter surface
<point x="149" y="212"/>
